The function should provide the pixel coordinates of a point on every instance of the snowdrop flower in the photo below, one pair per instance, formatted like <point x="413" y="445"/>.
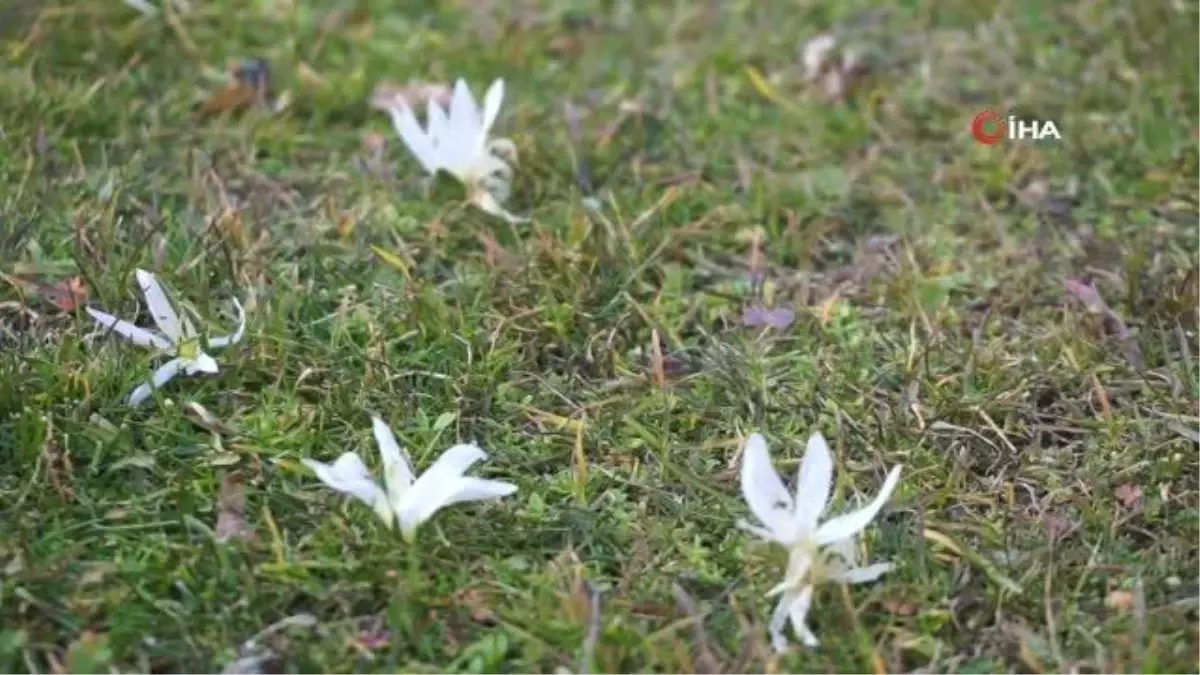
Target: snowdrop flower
<point x="148" y="9"/>
<point x="817" y="552"/>
<point x="407" y="499"/>
<point x="178" y="338"/>
<point x="456" y="141"/>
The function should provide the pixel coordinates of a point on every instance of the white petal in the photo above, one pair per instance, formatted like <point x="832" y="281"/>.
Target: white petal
<point x="490" y="167"/>
<point x="397" y="473"/>
<point x="491" y="105"/>
<point x="160" y="308"/>
<point x="479" y="490"/>
<point x="438" y="486"/>
<point x="350" y="476"/>
<point x="799" y="615"/>
<point x="437" y="121"/>
<point x="454" y="462"/>
<point x="448" y="142"/>
<point x="438" y="124"/>
<point x="488" y="204"/>
<point x="202" y="363"/>
<point x="763" y="489"/>
<point x="467" y="136"/>
<point x="464" y="112"/>
<point x="187" y="329"/>
<point x="842" y="556"/>
<point x="504" y="149"/>
<point x="852" y="523"/>
<point x="779" y="619"/>
<point x="163" y="375"/>
<point x="226" y="340"/>
<point x="799" y="564"/>
<point x="465" y="489"/>
<point x="414" y="138"/>
<point x="813" y="483"/>
<point x="143" y="6"/>
<point x="496" y="186"/>
<point x="138" y="336"/>
<point x="861" y="575"/>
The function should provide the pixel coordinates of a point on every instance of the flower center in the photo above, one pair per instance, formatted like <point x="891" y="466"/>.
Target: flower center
<point x="811" y="564"/>
<point x="188" y="349"/>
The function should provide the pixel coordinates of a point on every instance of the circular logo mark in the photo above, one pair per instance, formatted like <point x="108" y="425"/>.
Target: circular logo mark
<point x="988" y="127"/>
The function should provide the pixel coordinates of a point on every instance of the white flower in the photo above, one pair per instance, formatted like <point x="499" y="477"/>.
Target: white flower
<point x="178" y="338"/>
<point x="409" y="500"/>
<point x="818" y="552"/>
<point x="148" y="9"/>
<point x="456" y="141"/>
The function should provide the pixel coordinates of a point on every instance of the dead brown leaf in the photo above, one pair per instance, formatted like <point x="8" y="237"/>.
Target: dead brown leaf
<point x="231" y="511"/>
<point x="1086" y="294"/>
<point x="248" y="84"/>
<point x="476" y="603"/>
<point x="778" y="317"/>
<point x="231" y="97"/>
<point x="1129" y="495"/>
<point x="1113" y="325"/>
<point x="573" y="593"/>
<point x="388" y="95"/>
<point x="494" y="254"/>
<point x="627" y="110"/>
<point x="59" y="468"/>
<point x="66" y="295"/>
<point x="834" y="71"/>
<point x="201" y="417"/>
<point x="566" y="45"/>
<point x="1120" y="600"/>
<point x="373" y="638"/>
<point x="900" y="607"/>
<point x="374" y="160"/>
<point x="96" y="574"/>
<point x="1059" y="526"/>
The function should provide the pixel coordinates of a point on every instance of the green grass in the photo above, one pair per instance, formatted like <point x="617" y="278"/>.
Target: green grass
<point x="1025" y="428"/>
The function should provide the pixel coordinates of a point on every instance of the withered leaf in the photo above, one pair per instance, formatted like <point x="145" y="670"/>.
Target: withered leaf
<point x="1120" y="600"/>
<point x="248" y="84"/>
<point x="1113" y="324"/>
<point x="66" y="295"/>
<point x="201" y="417"/>
<point x="779" y="317"/>
<point x="231" y="511"/>
<point x="388" y="95"/>
<point x="476" y="603"/>
<point x="1129" y="495"/>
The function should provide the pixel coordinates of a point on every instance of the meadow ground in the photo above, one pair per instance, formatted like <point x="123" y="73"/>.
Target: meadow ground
<point x="948" y="316"/>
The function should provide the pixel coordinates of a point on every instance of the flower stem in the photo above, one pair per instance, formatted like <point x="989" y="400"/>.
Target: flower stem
<point x="414" y="567"/>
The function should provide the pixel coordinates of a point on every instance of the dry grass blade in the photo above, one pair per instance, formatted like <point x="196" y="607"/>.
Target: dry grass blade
<point x="705" y="660"/>
<point x="657" y="366"/>
<point x="583" y="172"/>
<point x="588" y="651"/>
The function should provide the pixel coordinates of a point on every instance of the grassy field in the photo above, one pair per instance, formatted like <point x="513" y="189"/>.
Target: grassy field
<point x="1016" y="324"/>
